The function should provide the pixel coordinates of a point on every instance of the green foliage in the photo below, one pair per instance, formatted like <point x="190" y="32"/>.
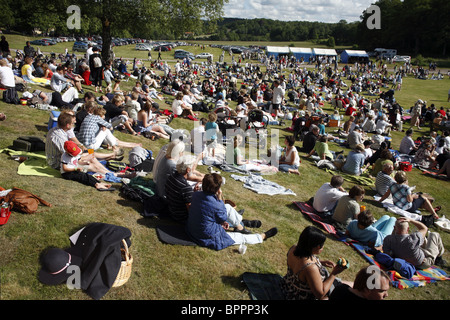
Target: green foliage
<point x="410" y="26"/>
<point x="330" y="42"/>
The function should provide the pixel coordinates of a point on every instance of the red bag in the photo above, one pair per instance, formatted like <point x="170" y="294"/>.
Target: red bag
<point x="4" y="214"/>
<point x="405" y="166"/>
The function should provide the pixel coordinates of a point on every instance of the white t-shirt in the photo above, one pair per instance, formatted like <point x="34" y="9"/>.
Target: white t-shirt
<point x="69" y="161"/>
<point x="293" y="154"/>
<point x="406" y="145"/>
<point x="326" y="197"/>
<point x="176" y="107"/>
<point x="382" y="124"/>
<point x="278" y="95"/>
<point x="7" y="77"/>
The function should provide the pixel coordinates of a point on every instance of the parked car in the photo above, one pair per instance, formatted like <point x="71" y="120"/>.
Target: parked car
<point x="143" y="47"/>
<point x="50" y="41"/>
<point x="163" y="48"/>
<point x="401" y="59"/>
<point x="204" y="55"/>
<point x="236" y="50"/>
<point x="181" y="54"/>
<point x="39" y="43"/>
<point x="80" y="46"/>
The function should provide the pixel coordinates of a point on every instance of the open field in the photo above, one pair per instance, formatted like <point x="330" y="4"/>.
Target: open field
<point x="164" y="272"/>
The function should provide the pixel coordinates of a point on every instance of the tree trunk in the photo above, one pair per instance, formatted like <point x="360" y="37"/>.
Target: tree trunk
<point x="106" y="38"/>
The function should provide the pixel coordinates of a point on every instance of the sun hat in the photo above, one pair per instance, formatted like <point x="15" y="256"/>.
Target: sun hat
<point x="72" y="148"/>
<point x="55" y="262"/>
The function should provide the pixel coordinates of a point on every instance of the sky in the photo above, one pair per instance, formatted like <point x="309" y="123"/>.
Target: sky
<point x="297" y="10"/>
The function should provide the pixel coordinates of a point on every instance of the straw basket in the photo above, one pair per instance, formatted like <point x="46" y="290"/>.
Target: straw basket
<point x="125" y="266"/>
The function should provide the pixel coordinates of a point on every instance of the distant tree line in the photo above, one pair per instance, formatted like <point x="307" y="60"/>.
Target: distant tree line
<point x="410" y="26"/>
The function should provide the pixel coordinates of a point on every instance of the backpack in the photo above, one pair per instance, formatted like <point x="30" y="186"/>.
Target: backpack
<point x="150" y="135"/>
<point x="10" y="96"/>
<point x="134" y="194"/>
<point x="97" y="61"/>
<point x="403" y="267"/>
<point x="28" y="144"/>
<point x="116" y="166"/>
<point x="141" y="159"/>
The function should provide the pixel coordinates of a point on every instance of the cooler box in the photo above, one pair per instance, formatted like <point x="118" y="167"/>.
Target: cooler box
<point x="53" y="121"/>
<point x="405" y="166"/>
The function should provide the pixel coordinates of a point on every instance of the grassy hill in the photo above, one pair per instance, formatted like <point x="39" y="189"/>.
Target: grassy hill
<point x="165" y="272"/>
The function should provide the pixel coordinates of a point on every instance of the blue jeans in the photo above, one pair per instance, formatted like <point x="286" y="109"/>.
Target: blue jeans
<point x="385" y="224"/>
<point x="286" y="167"/>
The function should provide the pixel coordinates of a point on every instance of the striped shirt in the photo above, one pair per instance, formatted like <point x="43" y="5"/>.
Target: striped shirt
<point x="383" y="182"/>
<point x="178" y="194"/>
<point x="54" y="146"/>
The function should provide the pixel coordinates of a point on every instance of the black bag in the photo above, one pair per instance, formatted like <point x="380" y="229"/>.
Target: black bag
<point x="146" y="165"/>
<point x="29" y="144"/>
<point x="134" y="194"/>
<point x="10" y="96"/>
<point x="20" y="87"/>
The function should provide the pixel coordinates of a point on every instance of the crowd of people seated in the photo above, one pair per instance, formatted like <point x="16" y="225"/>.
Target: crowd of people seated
<point x="196" y="199"/>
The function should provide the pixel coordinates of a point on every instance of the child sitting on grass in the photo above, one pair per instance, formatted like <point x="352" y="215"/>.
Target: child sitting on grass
<point x="73" y="169"/>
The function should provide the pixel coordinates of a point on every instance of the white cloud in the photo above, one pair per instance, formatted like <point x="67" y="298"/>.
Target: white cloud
<point x="299" y="10"/>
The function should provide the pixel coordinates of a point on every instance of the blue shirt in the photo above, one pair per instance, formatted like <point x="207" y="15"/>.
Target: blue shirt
<point x="369" y="234"/>
<point x="206" y="214"/>
<point x="211" y="131"/>
<point x="354" y="163"/>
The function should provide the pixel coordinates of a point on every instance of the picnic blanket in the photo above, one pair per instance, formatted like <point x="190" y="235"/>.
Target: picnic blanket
<point x="391" y="207"/>
<point x="174" y="234"/>
<point x="319" y="219"/>
<point x="262" y="286"/>
<point x="434" y="174"/>
<point x="262" y="186"/>
<point x="420" y="279"/>
<point x="34" y="165"/>
<point x="361" y="180"/>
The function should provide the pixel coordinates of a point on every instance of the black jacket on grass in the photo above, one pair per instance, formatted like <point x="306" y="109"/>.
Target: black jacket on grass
<point x="99" y="246"/>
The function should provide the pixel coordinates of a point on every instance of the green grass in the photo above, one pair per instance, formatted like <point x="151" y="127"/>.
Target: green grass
<point x="164" y="272"/>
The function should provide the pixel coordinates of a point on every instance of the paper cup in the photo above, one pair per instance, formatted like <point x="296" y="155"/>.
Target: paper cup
<point x="242" y="248"/>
